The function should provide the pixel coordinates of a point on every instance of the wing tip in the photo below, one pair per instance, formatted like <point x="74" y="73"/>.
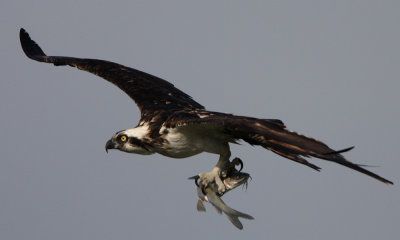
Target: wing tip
<point x="360" y="169"/>
<point x="339" y="151"/>
<point x="386" y="181"/>
<point x="30" y="47"/>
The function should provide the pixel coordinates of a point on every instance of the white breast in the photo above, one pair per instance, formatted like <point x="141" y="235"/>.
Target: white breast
<point x="186" y="142"/>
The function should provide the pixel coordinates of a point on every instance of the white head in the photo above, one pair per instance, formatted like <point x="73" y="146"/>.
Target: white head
<point x="131" y="141"/>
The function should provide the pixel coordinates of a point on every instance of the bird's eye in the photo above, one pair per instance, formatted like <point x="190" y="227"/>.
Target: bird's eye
<point x="123" y="138"/>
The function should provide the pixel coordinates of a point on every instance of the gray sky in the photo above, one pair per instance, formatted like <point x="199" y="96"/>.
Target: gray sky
<point x="328" y="69"/>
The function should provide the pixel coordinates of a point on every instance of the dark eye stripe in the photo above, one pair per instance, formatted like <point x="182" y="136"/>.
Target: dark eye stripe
<point x="139" y="143"/>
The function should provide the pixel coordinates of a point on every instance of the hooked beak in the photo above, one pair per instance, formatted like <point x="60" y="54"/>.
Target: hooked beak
<point x="110" y="145"/>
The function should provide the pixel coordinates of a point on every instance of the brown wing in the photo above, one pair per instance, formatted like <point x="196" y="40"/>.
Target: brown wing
<point x="268" y="133"/>
<point x="150" y="93"/>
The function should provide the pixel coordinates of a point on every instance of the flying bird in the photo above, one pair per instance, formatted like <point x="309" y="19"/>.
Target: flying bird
<point x="174" y="125"/>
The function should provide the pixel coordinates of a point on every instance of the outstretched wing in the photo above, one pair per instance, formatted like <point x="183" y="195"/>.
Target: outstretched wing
<point x="271" y="134"/>
<point x="150" y="93"/>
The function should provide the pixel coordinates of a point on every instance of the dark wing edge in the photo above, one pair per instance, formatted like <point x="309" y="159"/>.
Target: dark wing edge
<point x="149" y="92"/>
<point x="273" y="135"/>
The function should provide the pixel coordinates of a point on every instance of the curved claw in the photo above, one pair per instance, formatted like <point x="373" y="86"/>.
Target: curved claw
<point x="238" y="161"/>
<point x="203" y="190"/>
<point x="199" y="185"/>
<point x="241" y="164"/>
<point x="196" y="179"/>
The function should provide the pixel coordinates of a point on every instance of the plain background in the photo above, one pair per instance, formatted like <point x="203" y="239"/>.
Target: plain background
<point x="328" y="69"/>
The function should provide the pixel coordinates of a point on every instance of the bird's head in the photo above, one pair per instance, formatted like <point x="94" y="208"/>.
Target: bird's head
<point x="130" y="141"/>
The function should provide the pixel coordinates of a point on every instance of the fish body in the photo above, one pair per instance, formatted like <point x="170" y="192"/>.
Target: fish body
<point x="211" y="195"/>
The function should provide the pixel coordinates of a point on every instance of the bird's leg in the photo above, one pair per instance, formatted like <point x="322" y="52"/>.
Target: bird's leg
<point x="222" y="168"/>
<point x="233" y="176"/>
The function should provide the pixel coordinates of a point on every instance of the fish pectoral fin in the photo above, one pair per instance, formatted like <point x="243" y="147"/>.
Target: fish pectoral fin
<point x="200" y="206"/>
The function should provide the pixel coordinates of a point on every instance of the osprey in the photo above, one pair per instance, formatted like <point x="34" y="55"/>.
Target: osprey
<point x="175" y="125"/>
